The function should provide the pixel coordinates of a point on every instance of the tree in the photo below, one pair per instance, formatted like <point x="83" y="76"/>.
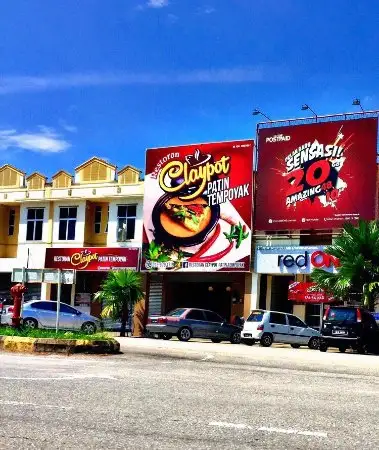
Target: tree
<point x="357" y="249"/>
<point x="119" y="292"/>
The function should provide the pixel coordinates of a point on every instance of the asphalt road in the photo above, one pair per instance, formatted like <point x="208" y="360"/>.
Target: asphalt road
<point x="150" y="402"/>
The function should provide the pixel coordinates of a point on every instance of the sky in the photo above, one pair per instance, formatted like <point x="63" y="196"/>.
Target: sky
<point x="80" y="78"/>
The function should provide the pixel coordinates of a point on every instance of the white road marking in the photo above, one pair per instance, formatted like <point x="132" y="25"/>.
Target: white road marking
<point x="10" y="403"/>
<point x="207" y="357"/>
<point x="291" y="431"/>
<point x="61" y="378"/>
<point x="240" y="426"/>
<point x="229" y="425"/>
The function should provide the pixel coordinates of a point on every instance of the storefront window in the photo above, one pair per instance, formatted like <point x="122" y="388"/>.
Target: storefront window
<point x="67" y="223"/>
<point x="312" y="315"/>
<point x="12" y="215"/>
<point x="126" y="222"/>
<point x="97" y="223"/>
<point x="34" y="223"/>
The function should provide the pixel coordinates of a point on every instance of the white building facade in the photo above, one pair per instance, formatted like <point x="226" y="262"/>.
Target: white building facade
<point x="96" y="208"/>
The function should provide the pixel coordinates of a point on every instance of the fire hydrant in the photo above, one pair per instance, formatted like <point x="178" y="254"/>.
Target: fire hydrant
<point x="16" y="293"/>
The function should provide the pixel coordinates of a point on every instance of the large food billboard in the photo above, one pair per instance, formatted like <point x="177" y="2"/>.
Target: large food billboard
<point x="198" y="207"/>
<point x="316" y="176"/>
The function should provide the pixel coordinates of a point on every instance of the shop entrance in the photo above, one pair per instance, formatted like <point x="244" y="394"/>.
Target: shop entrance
<point x="216" y="297"/>
<point x="279" y="293"/>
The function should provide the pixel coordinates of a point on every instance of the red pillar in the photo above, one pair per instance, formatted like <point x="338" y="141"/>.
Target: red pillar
<point x="16" y="293"/>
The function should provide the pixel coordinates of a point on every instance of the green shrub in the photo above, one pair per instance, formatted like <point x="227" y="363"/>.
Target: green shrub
<point x="40" y="333"/>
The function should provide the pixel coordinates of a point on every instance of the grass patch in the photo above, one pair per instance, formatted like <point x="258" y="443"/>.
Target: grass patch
<point x="40" y="333"/>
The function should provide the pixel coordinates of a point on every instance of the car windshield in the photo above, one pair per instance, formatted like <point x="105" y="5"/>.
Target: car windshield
<point x="255" y="316"/>
<point x="342" y="314"/>
<point x="177" y="312"/>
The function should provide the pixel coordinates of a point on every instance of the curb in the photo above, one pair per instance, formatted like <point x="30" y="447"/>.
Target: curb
<point x="49" y="345"/>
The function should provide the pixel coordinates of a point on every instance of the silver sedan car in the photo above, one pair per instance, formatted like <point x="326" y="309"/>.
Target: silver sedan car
<point x="186" y="323"/>
<point x="43" y="314"/>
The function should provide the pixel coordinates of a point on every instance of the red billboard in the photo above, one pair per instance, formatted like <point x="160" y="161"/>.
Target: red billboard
<point x="92" y="259"/>
<point x="198" y="207"/>
<point x="303" y="292"/>
<point x="316" y="176"/>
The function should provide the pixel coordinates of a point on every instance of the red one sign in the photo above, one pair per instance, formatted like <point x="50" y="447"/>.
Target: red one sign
<point x="92" y="259"/>
<point x="307" y="293"/>
<point x="316" y="176"/>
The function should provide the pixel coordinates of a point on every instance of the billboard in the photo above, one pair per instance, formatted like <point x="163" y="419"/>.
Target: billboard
<point x="303" y="292"/>
<point x="198" y="207"/>
<point x="316" y="176"/>
<point x="92" y="259"/>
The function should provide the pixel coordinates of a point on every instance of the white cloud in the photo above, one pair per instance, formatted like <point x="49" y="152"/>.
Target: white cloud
<point x="206" y="10"/>
<point x="157" y="3"/>
<point x="46" y="140"/>
<point x="68" y="127"/>
<point x="259" y="74"/>
<point x="172" y="18"/>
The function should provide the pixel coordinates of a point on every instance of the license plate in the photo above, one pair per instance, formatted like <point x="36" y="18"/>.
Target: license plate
<point x="339" y="332"/>
<point x="154" y="321"/>
<point x="247" y="335"/>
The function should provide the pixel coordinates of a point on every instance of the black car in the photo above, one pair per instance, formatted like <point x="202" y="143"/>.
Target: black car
<point x="346" y="327"/>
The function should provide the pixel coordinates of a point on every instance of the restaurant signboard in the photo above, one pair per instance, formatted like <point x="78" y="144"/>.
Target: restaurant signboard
<point x="198" y="207"/>
<point x="92" y="258"/>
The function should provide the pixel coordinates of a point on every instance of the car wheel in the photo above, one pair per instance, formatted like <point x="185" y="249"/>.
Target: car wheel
<point x="314" y="343"/>
<point x="249" y="342"/>
<point x="166" y="337"/>
<point x="295" y="345"/>
<point x="323" y="347"/>
<point x="342" y="349"/>
<point x="184" y="334"/>
<point x="235" y="338"/>
<point x="30" y="323"/>
<point x="89" y="328"/>
<point x="266" y="340"/>
<point x="216" y="341"/>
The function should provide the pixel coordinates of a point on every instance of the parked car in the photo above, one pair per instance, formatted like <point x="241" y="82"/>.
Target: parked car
<point x="268" y="327"/>
<point x="115" y="325"/>
<point x="349" y="327"/>
<point x="42" y="314"/>
<point x="186" y="323"/>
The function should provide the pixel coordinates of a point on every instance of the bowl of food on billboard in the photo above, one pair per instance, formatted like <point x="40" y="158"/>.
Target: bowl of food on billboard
<point x="198" y="207"/>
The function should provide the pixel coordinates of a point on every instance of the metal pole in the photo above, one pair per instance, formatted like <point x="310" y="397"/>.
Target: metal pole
<point x="58" y="299"/>
<point x="22" y="296"/>
<point x="321" y="314"/>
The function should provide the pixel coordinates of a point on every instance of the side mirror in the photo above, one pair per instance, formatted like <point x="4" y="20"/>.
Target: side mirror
<point x="78" y="313"/>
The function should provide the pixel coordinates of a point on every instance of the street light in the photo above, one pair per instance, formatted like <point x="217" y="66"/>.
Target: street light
<point x="256" y="112"/>
<point x="357" y="102"/>
<point x="306" y="107"/>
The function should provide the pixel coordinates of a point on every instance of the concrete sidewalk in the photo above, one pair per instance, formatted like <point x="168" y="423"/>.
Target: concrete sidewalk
<point x="277" y="356"/>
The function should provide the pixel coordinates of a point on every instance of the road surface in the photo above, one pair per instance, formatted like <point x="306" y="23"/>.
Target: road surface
<point x="282" y="398"/>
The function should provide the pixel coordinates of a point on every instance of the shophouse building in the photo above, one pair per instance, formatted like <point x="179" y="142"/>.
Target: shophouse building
<point x="58" y="222"/>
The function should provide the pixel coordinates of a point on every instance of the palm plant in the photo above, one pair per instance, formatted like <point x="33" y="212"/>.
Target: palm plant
<point x="357" y="249"/>
<point x="119" y="292"/>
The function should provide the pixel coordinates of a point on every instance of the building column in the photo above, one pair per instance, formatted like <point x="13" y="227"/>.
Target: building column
<point x="45" y="291"/>
<point x="73" y="289"/>
<point x="251" y="297"/>
<point x="268" y="292"/>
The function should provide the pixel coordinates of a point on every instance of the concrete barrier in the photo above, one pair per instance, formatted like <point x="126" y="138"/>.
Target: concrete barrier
<point x="50" y="345"/>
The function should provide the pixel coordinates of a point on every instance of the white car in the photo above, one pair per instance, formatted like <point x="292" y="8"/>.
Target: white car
<point x="272" y="326"/>
<point x="43" y="314"/>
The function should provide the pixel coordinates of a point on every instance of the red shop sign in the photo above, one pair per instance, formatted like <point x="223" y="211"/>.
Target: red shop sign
<point x="307" y="293"/>
<point x="92" y="259"/>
